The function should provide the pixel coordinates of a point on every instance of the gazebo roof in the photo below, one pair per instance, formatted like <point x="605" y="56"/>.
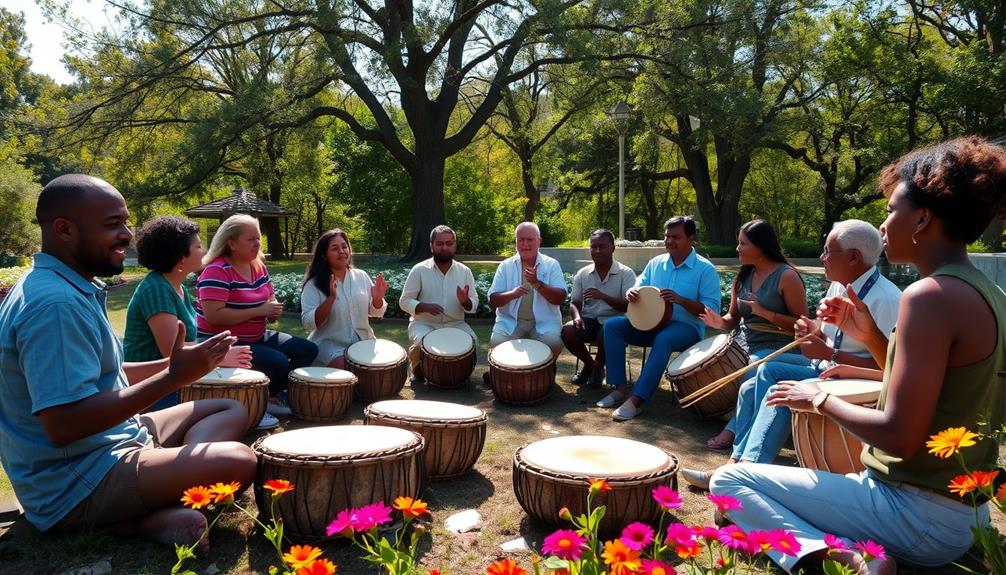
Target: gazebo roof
<point x="240" y="202"/>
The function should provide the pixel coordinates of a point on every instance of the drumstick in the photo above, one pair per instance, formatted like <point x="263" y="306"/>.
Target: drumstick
<point x="704" y="392"/>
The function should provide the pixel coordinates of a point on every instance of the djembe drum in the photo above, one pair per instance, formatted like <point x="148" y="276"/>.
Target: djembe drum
<point x="448" y="357"/>
<point x="820" y="442"/>
<point x="247" y="386"/>
<point x="704" y="363"/>
<point x="554" y="473"/>
<point x="320" y="394"/>
<point x="522" y="371"/>
<point x="381" y="367"/>
<point x="454" y="433"/>
<point x="336" y="468"/>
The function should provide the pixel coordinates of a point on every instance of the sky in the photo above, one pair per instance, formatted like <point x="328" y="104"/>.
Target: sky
<point x="47" y="46"/>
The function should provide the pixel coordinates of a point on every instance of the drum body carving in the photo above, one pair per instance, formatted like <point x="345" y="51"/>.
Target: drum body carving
<point x="704" y="363"/>
<point x="522" y="371"/>
<point x="448" y="357"/>
<point x="454" y="433"/>
<point x="554" y="473"/>
<point x="335" y="468"/>
<point x="380" y="366"/>
<point x="820" y="442"/>
<point x="246" y="386"/>
<point x="320" y="394"/>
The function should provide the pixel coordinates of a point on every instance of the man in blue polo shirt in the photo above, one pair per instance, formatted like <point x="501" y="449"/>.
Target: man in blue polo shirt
<point x="688" y="283"/>
<point x="76" y="452"/>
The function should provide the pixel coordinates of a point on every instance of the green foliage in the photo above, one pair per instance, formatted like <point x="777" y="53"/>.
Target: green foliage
<point x="19" y="236"/>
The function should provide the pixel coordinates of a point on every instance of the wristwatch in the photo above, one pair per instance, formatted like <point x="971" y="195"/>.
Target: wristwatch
<point x="818" y="401"/>
<point x="834" y="356"/>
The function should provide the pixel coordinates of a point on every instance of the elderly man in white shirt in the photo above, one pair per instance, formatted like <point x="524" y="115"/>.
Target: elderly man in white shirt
<point x="526" y="292"/>
<point x="437" y="294"/>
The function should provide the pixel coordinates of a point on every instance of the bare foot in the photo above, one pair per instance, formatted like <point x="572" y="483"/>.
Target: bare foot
<point x="722" y="440"/>
<point x="175" y="525"/>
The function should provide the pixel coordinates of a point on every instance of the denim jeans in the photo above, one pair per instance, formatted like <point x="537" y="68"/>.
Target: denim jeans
<point x="746" y="392"/>
<point x="278" y="354"/>
<point x="618" y="332"/>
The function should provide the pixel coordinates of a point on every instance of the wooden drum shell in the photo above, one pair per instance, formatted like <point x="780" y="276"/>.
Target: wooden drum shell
<point x="727" y="360"/>
<point x="447" y="372"/>
<point x="452" y="446"/>
<point x="375" y="383"/>
<point x="318" y="400"/>
<point x="254" y="395"/>
<point x="526" y="386"/>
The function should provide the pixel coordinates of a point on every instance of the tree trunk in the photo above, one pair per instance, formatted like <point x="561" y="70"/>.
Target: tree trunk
<point x="427" y="205"/>
<point x="270" y="226"/>
<point x="530" y="191"/>
<point x="720" y="207"/>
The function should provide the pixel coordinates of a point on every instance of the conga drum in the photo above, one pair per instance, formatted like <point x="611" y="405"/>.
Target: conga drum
<point x="381" y="367"/>
<point x="649" y="311"/>
<point x="335" y="468"/>
<point x="247" y="386"/>
<point x="454" y="433"/>
<point x="704" y="363"/>
<point x="448" y="357"/>
<point x="554" y="473"/>
<point x="320" y="393"/>
<point x="820" y="442"/>
<point x="522" y="371"/>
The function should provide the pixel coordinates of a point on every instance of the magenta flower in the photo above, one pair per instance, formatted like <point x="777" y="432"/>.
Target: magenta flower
<point x="834" y="543"/>
<point x="734" y="537"/>
<point x="637" y="536"/>
<point x="370" y="516"/>
<point x="758" y="542"/>
<point x="667" y="497"/>
<point x="680" y="534"/>
<point x="784" y="542"/>
<point x="871" y="550"/>
<point x="724" y="502"/>
<point x="707" y="532"/>
<point x="341" y="525"/>
<point x="651" y="567"/>
<point x="564" y="544"/>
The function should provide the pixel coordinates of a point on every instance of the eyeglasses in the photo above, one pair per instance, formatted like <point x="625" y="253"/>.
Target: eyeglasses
<point x="826" y="252"/>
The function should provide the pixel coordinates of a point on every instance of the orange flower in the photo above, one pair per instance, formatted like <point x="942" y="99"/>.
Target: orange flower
<point x="984" y="479"/>
<point x="300" y="555"/>
<point x="224" y="492"/>
<point x="950" y="441"/>
<point x="278" y="486"/>
<point x="688" y="551"/>
<point x="962" y="485"/>
<point x="1001" y="494"/>
<point x="599" y="486"/>
<point x="410" y="507"/>
<point x="197" y="497"/>
<point x="505" y="567"/>
<point x="318" y="567"/>
<point x="621" y="558"/>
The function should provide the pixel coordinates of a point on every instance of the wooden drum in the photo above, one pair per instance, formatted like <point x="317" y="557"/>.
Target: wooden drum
<point x="320" y="393"/>
<point x="381" y="367"/>
<point x="448" y="357"/>
<point x="704" y="363"/>
<point x="454" y="433"/>
<point x="249" y="387"/>
<point x="522" y="371"/>
<point x="335" y="468"/>
<point x="820" y="442"/>
<point x="554" y="473"/>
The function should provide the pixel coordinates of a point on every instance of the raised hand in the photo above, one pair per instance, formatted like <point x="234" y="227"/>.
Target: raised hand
<point x="379" y="288"/>
<point x="238" y="356"/>
<point x="190" y="362"/>
<point x="531" y="275"/>
<point x="333" y="287"/>
<point x="712" y="318"/>
<point x="848" y="314"/>
<point x="756" y="307"/>
<point x="464" y="295"/>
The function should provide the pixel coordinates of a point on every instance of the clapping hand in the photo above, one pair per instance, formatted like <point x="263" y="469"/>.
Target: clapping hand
<point x="190" y="362"/>
<point x="804" y="325"/>
<point x="379" y="288"/>
<point x="333" y="287"/>
<point x="531" y="275"/>
<point x="238" y="356"/>
<point x="464" y="297"/>
<point x="756" y="307"/>
<point x="712" y="318"/>
<point x="848" y="314"/>
<point x="273" y="308"/>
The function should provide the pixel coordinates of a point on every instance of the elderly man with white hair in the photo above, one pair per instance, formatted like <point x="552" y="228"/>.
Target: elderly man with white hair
<point x="526" y="292"/>
<point x="850" y="257"/>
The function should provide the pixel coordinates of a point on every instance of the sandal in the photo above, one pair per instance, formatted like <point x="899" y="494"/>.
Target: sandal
<point x="722" y="440"/>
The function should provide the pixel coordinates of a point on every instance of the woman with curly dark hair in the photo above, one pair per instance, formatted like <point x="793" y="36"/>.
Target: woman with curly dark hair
<point x="170" y="248"/>
<point x="943" y="368"/>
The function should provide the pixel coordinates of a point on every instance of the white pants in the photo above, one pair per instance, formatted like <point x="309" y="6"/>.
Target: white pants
<point x="418" y="330"/>
<point x="527" y="329"/>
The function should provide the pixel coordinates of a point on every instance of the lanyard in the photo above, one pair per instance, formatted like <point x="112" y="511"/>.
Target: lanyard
<point x="861" y="294"/>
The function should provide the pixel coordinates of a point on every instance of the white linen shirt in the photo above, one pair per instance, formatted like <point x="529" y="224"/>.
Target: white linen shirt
<point x="426" y="284"/>
<point x="883" y="300"/>
<point x="509" y="275"/>
<point x="361" y="307"/>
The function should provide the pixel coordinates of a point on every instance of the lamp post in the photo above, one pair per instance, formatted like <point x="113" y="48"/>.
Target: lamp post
<point x="620" y="114"/>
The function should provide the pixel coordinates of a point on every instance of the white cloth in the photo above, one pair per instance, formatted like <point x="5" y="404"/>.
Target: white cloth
<point x="426" y="284"/>
<point x="509" y="275"/>
<point x="361" y="308"/>
<point x="883" y="300"/>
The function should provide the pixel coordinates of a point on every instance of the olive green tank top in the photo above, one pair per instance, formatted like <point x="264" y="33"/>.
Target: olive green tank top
<point x="968" y="393"/>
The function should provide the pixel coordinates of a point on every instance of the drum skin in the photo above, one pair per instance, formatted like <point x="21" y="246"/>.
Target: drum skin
<point x="721" y="362"/>
<point x="447" y="372"/>
<point x="319" y="401"/>
<point x="452" y="445"/>
<point x="375" y="383"/>
<point x="253" y="393"/>
<point x="326" y="485"/>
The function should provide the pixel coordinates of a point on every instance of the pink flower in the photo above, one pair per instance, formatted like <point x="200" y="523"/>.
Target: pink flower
<point x="733" y="537"/>
<point x="784" y="542"/>
<point x="680" y="534"/>
<point x="724" y="502"/>
<point x="871" y="550"/>
<point x="707" y="532"/>
<point x="370" y="516"/>
<point x="834" y="543"/>
<point x="758" y="542"/>
<point x="564" y="544"/>
<point x="342" y="524"/>
<point x="637" y="536"/>
<point x="651" y="567"/>
<point x="667" y="497"/>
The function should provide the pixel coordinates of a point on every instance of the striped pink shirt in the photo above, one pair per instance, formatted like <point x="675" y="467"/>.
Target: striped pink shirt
<point x="219" y="282"/>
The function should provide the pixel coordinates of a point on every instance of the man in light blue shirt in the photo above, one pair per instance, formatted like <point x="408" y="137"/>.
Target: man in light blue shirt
<point x="76" y="452"/>
<point x="688" y="283"/>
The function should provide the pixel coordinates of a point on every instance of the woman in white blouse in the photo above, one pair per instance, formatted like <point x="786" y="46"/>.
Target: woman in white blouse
<point x="337" y="299"/>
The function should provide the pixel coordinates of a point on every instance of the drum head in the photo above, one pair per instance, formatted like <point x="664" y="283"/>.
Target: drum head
<point x="448" y="342"/>
<point x="858" y="391"/>
<point x="337" y="440"/>
<point x="232" y="375"/>
<point x="426" y="410"/>
<point x="695" y="355"/>
<point x="521" y="354"/>
<point x="375" y="353"/>
<point x="646" y="313"/>
<point x="596" y="456"/>
<point x="323" y="374"/>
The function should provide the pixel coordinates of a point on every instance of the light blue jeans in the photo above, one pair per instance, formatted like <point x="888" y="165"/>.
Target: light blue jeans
<point x="913" y="524"/>
<point x="676" y="336"/>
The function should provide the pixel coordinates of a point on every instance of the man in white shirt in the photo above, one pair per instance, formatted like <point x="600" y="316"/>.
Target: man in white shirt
<point x="526" y="292"/>
<point x="437" y="294"/>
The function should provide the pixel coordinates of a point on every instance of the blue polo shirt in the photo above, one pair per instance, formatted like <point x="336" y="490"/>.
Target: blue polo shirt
<point x="57" y="347"/>
<point x="696" y="279"/>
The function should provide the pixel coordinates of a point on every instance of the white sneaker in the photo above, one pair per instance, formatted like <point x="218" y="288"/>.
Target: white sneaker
<point x="278" y="408"/>
<point x="626" y="411"/>
<point x="612" y="399"/>
<point x="267" y="422"/>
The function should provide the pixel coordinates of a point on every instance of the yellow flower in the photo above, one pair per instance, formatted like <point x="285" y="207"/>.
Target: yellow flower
<point x="224" y="492"/>
<point x="410" y="507"/>
<point x="300" y="555"/>
<point x="950" y="441"/>
<point x="197" y="497"/>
